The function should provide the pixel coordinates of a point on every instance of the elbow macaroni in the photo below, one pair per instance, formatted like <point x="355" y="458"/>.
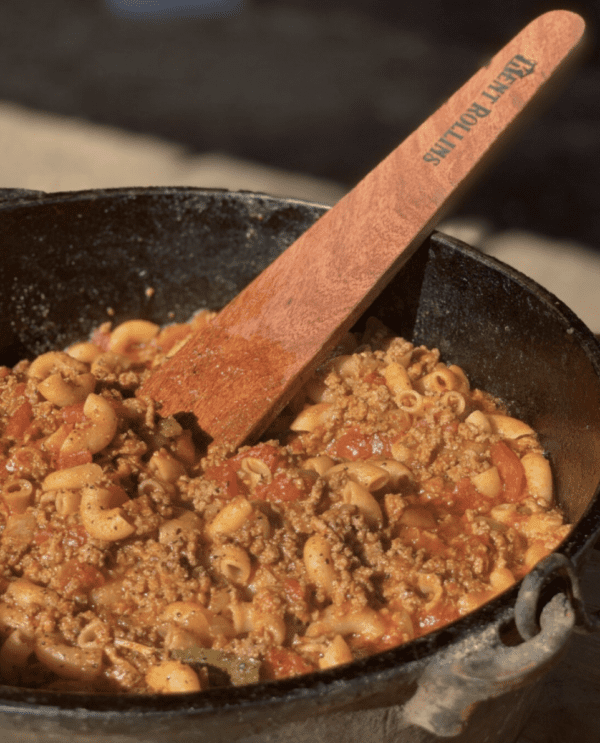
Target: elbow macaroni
<point x="101" y="517"/>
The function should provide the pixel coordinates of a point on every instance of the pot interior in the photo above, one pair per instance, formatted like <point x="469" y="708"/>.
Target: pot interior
<point x="73" y="261"/>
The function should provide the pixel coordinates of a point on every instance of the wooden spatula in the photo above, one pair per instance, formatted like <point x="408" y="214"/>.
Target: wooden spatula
<point x="236" y="374"/>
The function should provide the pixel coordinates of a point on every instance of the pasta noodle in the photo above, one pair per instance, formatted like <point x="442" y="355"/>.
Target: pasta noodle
<point x="393" y="499"/>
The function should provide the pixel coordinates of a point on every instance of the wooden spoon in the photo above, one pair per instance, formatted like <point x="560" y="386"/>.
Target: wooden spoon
<point x="237" y="373"/>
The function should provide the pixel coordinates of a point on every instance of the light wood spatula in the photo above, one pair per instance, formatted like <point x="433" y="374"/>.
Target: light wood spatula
<point x="237" y="373"/>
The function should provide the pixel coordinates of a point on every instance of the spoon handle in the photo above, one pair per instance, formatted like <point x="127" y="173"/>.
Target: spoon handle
<point x="236" y="374"/>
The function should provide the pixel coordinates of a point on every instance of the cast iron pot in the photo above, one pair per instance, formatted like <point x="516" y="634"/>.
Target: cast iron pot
<point x="74" y="260"/>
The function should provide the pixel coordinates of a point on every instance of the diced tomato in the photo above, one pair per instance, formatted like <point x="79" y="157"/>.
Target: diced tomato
<point x="76" y="536"/>
<point x="449" y="529"/>
<point x="233" y="485"/>
<point x="78" y="576"/>
<point x="73" y="459"/>
<point x="42" y="535"/>
<point x="19" y="421"/>
<point x="511" y="471"/>
<point x="19" y="390"/>
<point x="25" y="461"/>
<point x="73" y="413"/>
<point x="281" y="489"/>
<point x="374" y="378"/>
<point x="466" y="496"/>
<point x="281" y="663"/>
<point x="296" y="444"/>
<point x="225" y="476"/>
<point x="293" y="590"/>
<point x="420" y="538"/>
<point x="355" y="445"/>
<point x="267" y="453"/>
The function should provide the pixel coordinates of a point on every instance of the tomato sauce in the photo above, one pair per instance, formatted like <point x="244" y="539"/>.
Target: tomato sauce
<point x="354" y="445"/>
<point x="282" y="489"/>
<point x="282" y="663"/>
<point x="19" y="421"/>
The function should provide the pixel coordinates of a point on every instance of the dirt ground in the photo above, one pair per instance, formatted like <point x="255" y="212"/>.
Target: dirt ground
<point x="320" y="89"/>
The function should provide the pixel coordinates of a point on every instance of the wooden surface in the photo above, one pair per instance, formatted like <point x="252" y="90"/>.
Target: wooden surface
<point x="569" y="707"/>
<point x="237" y="374"/>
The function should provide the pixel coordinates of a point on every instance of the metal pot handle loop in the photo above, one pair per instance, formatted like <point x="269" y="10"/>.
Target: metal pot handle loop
<point x="555" y="565"/>
<point x="454" y="684"/>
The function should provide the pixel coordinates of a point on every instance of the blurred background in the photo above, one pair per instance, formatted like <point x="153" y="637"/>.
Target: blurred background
<point x="296" y="97"/>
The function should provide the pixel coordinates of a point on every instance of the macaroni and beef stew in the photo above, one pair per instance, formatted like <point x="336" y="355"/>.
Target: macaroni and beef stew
<point x="388" y="499"/>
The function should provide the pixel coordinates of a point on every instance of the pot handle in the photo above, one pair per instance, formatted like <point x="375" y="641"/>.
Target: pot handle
<point x="18" y="194"/>
<point x="452" y="686"/>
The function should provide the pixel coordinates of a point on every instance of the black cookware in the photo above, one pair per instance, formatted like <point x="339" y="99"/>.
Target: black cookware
<point x="74" y="260"/>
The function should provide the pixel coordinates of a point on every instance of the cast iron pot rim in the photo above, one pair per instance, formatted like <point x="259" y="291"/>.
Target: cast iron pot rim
<point x="497" y="612"/>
